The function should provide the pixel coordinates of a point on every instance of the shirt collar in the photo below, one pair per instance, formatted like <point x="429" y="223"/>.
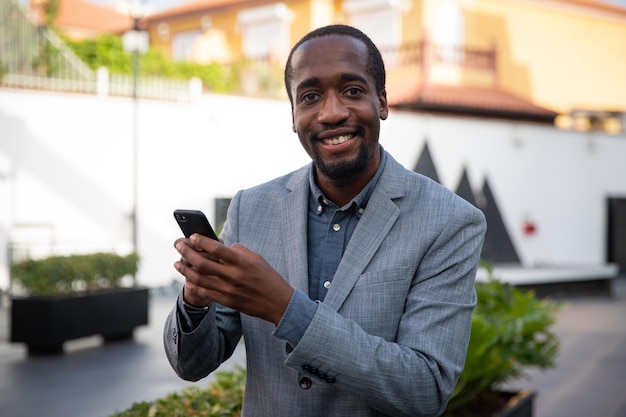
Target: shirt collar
<point x="358" y="202"/>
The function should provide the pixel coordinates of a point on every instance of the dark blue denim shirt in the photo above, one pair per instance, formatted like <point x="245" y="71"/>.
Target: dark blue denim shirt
<point x="329" y="230"/>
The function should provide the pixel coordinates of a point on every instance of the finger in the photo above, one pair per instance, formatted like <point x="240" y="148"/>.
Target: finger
<point x="196" y="295"/>
<point x="215" y="249"/>
<point x="195" y="265"/>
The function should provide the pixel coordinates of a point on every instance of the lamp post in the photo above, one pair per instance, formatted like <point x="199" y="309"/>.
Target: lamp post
<point x="7" y="204"/>
<point x="135" y="42"/>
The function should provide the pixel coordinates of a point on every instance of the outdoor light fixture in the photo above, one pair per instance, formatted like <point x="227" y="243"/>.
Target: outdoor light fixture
<point x="135" y="42"/>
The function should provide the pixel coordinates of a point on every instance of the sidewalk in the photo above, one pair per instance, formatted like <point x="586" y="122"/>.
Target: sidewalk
<point x="95" y="380"/>
<point x="91" y="379"/>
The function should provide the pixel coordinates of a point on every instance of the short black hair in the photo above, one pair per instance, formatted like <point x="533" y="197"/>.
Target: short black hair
<point x="375" y="65"/>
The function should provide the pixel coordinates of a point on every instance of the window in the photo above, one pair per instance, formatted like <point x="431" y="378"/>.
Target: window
<point x="265" y="31"/>
<point x="448" y="31"/>
<point x="182" y="45"/>
<point x="381" y="20"/>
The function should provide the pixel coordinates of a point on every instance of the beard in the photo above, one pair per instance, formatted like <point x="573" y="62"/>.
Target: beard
<point x="343" y="169"/>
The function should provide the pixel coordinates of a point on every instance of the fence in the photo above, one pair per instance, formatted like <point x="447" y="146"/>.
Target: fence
<point x="34" y="57"/>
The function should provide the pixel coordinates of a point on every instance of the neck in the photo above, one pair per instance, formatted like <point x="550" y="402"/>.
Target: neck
<point x="342" y="191"/>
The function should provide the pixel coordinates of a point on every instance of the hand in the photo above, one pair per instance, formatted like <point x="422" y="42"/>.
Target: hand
<point x="234" y="277"/>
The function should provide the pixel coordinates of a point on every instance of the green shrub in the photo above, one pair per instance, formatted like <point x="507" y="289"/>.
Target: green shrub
<point x="58" y="275"/>
<point x="223" y="398"/>
<point x="511" y="333"/>
<point x="108" y="51"/>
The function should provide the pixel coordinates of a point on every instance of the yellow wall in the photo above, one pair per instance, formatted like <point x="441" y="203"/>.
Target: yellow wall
<point x="548" y="52"/>
<point x="554" y="55"/>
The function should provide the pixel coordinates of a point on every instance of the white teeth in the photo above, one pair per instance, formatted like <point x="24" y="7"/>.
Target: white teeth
<point x="337" y="140"/>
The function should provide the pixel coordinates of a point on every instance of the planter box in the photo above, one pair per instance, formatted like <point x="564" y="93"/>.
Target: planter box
<point x="502" y="404"/>
<point x="520" y="404"/>
<point x="45" y="323"/>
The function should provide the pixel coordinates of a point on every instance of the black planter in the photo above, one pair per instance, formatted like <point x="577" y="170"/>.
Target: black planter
<point x="45" y="323"/>
<point x="520" y="404"/>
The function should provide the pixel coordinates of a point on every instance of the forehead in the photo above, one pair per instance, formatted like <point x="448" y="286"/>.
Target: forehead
<point x="328" y="55"/>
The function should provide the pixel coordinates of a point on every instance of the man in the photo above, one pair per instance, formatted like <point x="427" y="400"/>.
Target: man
<point x="351" y="279"/>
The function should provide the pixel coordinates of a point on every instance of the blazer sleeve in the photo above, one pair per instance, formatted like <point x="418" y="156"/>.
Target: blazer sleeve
<point x="415" y="374"/>
<point x="195" y="354"/>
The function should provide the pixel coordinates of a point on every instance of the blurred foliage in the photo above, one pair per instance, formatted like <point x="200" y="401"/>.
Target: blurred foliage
<point x="108" y="51"/>
<point x="51" y="11"/>
<point x="103" y="51"/>
<point x="511" y="333"/>
<point x="4" y="69"/>
<point x="223" y="398"/>
<point x="57" y="275"/>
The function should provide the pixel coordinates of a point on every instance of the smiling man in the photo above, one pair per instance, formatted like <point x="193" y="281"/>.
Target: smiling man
<point x="351" y="280"/>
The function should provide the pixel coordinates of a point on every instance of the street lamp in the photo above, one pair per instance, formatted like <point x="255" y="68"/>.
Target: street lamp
<point x="135" y="42"/>
<point x="7" y="204"/>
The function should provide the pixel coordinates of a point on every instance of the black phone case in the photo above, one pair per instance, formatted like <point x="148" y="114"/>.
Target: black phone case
<point x="194" y="221"/>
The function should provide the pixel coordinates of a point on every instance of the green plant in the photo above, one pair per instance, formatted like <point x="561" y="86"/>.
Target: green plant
<point x="4" y="70"/>
<point x="223" y="398"/>
<point x="108" y="51"/>
<point x="56" y="275"/>
<point x="511" y="333"/>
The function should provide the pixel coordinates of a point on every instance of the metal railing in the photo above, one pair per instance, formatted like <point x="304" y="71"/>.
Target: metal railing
<point x="417" y="53"/>
<point x="34" y="57"/>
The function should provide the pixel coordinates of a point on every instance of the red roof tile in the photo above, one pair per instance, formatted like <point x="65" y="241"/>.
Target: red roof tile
<point x="195" y="6"/>
<point x="491" y="102"/>
<point x="81" y="14"/>
<point x="596" y="4"/>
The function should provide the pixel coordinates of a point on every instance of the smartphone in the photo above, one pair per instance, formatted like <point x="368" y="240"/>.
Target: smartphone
<point x="194" y="221"/>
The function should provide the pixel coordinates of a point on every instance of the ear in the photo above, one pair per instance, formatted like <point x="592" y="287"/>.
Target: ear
<point x="384" y="107"/>
<point x="293" y="121"/>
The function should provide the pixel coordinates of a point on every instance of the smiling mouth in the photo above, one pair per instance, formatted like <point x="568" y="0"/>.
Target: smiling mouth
<point x="338" y="139"/>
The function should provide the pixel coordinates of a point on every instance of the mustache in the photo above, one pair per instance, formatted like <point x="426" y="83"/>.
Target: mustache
<point x="315" y="134"/>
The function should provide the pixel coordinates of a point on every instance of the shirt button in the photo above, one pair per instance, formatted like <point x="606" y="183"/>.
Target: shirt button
<point x="361" y="210"/>
<point x="305" y="382"/>
<point x="319" y="208"/>
<point x="336" y="227"/>
<point x="327" y="284"/>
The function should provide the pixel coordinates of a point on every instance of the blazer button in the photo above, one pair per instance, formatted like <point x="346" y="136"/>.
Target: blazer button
<point x="305" y="382"/>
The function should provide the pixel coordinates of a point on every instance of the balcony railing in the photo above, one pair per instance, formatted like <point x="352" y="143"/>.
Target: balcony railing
<point x="419" y="53"/>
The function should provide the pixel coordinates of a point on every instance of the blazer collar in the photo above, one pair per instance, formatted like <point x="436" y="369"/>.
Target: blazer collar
<point x="379" y="217"/>
<point x="373" y="227"/>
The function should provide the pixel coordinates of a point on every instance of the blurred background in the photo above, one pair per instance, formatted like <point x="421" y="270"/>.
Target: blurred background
<point x="114" y="114"/>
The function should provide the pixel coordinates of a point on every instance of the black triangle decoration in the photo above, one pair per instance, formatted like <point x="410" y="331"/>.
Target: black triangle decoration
<point x="425" y="164"/>
<point x="498" y="247"/>
<point x="464" y="190"/>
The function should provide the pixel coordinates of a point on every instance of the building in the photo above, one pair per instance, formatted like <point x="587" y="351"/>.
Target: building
<point x="476" y="56"/>
<point x="554" y="199"/>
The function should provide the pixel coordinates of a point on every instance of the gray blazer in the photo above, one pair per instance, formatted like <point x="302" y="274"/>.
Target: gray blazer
<point x="391" y="336"/>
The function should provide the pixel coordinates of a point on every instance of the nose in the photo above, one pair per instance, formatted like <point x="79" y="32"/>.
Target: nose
<point x="333" y="109"/>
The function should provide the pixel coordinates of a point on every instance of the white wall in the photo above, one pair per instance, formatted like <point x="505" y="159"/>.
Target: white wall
<point x="66" y="172"/>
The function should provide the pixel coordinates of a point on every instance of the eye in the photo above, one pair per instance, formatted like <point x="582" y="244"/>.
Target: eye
<point x="353" y="91"/>
<point x="309" y="97"/>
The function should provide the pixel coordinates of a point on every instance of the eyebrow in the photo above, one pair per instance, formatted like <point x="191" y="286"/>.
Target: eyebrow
<point x="346" y="76"/>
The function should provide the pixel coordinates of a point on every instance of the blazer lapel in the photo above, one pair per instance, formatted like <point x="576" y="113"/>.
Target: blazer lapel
<point x="294" y="210"/>
<point x="380" y="215"/>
